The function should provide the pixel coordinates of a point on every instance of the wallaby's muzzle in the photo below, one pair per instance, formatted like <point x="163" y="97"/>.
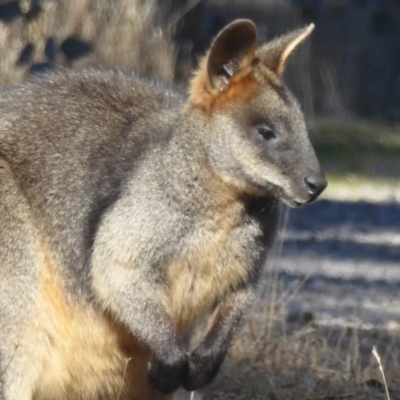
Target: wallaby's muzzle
<point x="303" y="186"/>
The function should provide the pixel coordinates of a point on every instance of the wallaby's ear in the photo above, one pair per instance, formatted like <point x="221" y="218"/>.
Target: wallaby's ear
<point x="229" y="59"/>
<point x="231" y="53"/>
<point x="274" y="54"/>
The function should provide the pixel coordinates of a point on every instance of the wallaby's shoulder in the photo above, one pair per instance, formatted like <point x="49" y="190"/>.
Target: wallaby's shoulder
<point x="83" y="111"/>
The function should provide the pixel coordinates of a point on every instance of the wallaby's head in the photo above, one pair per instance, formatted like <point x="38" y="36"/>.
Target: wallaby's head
<point x="258" y="139"/>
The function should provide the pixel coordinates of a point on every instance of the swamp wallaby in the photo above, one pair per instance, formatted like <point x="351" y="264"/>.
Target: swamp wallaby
<point x="129" y="212"/>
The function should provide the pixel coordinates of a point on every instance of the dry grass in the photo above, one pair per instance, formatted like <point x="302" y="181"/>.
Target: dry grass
<point x="272" y="358"/>
<point x="133" y="35"/>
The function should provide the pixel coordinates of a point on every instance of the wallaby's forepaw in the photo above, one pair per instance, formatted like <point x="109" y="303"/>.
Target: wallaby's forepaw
<point x="168" y="374"/>
<point x="204" y="363"/>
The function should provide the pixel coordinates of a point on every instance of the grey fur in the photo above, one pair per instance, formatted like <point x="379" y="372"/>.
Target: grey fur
<point x="121" y="178"/>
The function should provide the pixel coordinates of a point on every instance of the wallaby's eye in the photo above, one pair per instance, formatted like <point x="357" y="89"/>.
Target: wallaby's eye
<point x="266" y="132"/>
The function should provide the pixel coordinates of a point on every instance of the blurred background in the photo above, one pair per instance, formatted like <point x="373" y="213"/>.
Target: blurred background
<point x="331" y="290"/>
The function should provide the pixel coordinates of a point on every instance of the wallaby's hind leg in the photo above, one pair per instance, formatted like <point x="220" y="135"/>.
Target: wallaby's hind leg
<point x="19" y="260"/>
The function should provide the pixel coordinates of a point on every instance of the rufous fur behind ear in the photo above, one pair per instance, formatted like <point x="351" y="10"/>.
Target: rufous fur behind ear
<point x="203" y="95"/>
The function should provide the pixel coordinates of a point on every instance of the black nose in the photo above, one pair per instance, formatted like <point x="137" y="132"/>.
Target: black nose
<point x="315" y="184"/>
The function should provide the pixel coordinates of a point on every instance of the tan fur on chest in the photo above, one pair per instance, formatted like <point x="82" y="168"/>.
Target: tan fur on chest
<point x="83" y="353"/>
<point x="208" y="271"/>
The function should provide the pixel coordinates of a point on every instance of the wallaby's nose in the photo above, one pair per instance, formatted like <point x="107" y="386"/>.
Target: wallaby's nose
<point x="316" y="184"/>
